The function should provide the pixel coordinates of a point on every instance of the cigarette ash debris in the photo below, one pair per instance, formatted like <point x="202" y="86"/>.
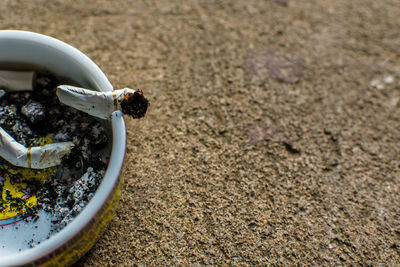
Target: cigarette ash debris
<point x="34" y="111"/>
<point x="65" y="201"/>
<point x="30" y="118"/>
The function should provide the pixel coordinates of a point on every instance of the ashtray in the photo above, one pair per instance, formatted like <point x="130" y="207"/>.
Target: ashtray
<point x="33" y="239"/>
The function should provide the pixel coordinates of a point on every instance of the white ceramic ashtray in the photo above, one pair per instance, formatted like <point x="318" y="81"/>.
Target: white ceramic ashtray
<point x="62" y="149"/>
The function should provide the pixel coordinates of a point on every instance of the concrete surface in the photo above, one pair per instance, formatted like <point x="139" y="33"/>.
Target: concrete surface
<point x="273" y="134"/>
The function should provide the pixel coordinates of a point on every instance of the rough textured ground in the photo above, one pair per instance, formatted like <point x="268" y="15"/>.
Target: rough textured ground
<point x="273" y="134"/>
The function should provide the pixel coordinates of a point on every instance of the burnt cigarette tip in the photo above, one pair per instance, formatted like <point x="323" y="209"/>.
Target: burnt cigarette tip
<point x="135" y="104"/>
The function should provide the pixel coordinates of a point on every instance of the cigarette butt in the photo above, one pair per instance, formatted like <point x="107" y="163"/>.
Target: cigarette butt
<point x="12" y="151"/>
<point x="16" y="81"/>
<point x="98" y="104"/>
<point x="103" y="104"/>
<point x="40" y="157"/>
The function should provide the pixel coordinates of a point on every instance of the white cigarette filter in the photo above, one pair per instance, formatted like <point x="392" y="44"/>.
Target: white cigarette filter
<point x="16" y="81"/>
<point x="33" y="157"/>
<point x="103" y="104"/>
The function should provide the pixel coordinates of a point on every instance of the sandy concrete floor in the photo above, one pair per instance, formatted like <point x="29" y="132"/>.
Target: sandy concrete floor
<point x="273" y="134"/>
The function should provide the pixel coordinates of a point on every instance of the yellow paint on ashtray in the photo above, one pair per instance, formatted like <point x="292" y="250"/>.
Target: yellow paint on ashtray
<point x="16" y="195"/>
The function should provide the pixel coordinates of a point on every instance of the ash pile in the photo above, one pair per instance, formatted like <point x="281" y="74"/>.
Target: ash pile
<point x="33" y="118"/>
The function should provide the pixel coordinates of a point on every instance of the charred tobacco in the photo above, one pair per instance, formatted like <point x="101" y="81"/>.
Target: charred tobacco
<point x="134" y="104"/>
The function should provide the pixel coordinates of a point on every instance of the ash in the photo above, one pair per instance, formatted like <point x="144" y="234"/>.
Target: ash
<point x="66" y="202"/>
<point x="29" y="117"/>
